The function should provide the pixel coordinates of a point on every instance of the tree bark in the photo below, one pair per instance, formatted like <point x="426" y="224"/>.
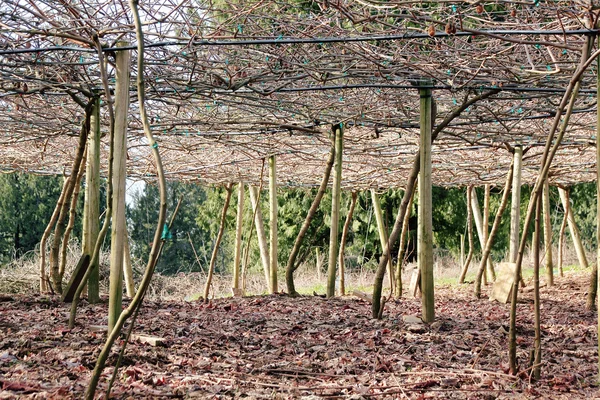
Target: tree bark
<point x="515" y="207"/>
<point x="291" y="263"/>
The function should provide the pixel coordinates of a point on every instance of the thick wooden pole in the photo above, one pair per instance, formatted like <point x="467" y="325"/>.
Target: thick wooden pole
<point x="117" y="236"/>
<point x="573" y="230"/>
<point x="425" y="228"/>
<point x="273" y="222"/>
<point x="335" y="209"/>
<point x="515" y="207"/>
<point x="239" y="222"/>
<point x="260" y="233"/>
<point x="91" y="208"/>
<point x="547" y="235"/>
<point x="537" y="341"/>
<point x="383" y="234"/>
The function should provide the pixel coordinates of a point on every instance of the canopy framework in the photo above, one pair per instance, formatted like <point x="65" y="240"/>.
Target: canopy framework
<point x="228" y="89"/>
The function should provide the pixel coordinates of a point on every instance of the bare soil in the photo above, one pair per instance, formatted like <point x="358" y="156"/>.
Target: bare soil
<point x="308" y="347"/>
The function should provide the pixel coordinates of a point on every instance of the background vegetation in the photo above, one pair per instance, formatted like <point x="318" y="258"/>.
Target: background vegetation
<point x="27" y="202"/>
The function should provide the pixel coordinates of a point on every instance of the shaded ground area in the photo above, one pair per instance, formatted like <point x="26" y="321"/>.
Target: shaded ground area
<point x="309" y="347"/>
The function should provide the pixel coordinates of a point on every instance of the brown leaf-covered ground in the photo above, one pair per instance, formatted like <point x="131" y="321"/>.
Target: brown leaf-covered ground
<point x="308" y="347"/>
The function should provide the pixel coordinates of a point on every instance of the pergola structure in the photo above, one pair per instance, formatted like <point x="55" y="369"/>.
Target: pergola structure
<point x="231" y="84"/>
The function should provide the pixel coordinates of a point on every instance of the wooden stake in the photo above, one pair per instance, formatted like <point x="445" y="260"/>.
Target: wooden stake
<point x="319" y="262"/>
<point x="561" y="236"/>
<point x="273" y="222"/>
<point x="335" y="208"/>
<point x="343" y="243"/>
<point x="91" y="208"/>
<point x="547" y="234"/>
<point x="239" y="222"/>
<point x="117" y="236"/>
<point x="383" y="234"/>
<point x="515" y="207"/>
<point x="597" y="196"/>
<point x="537" y="342"/>
<point x="425" y="228"/>
<point x="260" y="233"/>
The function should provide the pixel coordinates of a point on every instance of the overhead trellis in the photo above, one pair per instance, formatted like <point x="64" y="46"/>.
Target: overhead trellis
<point x="231" y="83"/>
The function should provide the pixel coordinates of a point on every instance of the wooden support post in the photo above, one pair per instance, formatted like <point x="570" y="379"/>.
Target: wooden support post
<point x="239" y="222"/>
<point x="343" y="243"/>
<point x="480" y="225"/>
<point x="547" y="235"/>
<point x="425" y="228"/>
<point x="515" y="207"/>
<point x="117" y="237"/>
<point x="91" y="208"/>
<point x="573" y="229"/>
<point x="273" y="222"/>
<point x="128" y="267"/>
<point x="383" y="234"/>
<point x="335" y="208"/>
<point x="537" y="341"/>
<point x="260" y="233"/>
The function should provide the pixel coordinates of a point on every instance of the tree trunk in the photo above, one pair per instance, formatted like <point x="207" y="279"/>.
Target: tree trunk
<point x="291" y="264"/>
<point x="495" y="226"/>
<point x="273" y="222"/>
<point x="547" y="235"/>
<point x="343" y="243"/>
<point x="117" y="236"/>
<point x="335" y="208"/>
<point x="215" y="252"/>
